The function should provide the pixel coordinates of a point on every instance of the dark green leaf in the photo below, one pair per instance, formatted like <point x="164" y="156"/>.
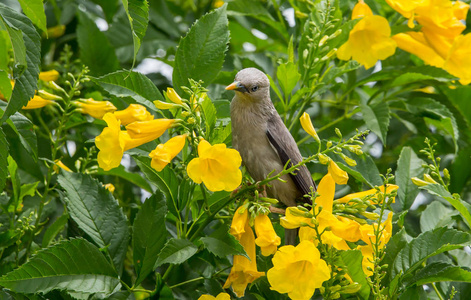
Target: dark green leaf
<point x="165" y="180"/>
<point x="133" y="85"/>
<point x="149" y="235"/>
<point x="441" y="271"/>
<point x="3" y="159"/>
<point x="97" y="213"/>
<point x="426" y="245"/>
<point x="200" y="54"/>
<point x="134" y="178"/>
<point x="408" y="165"/>
<point x="95" y="49"/>
<point x="138" y="15"/>
<point x="74" y="265"/>
<point x="26" y="72"/>
<point x="376" y="118"/>
<point x="365" y="171"/>
<point x="23" y="127"/>
<point x="222" y="244"/>
<point x="53" y="230"/>
<point x="109" y="7"/>
<point x="407" y="78"/>
<point x="34" y="10"/>
<point x="175" y="252"/>
<point x="455" y="200"/>
<point x="352" y="259"/>
<point x="436" y="215"/>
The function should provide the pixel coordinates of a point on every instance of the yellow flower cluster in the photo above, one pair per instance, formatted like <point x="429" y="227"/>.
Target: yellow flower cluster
<point x="440" y="41"/>
<point x="369" y="40"/>
<point x="334" y="230"/>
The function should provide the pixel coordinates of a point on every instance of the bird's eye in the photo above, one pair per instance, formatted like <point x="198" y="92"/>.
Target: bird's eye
<point x="254" y="89"/>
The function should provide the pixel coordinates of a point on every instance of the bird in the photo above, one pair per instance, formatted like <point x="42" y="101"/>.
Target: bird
<point x="264" y="142"/>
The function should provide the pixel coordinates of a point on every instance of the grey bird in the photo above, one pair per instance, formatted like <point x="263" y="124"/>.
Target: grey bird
<point x="264" y="142"/>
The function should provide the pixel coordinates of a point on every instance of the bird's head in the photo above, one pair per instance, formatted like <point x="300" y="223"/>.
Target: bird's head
<point x="251" y="84"/>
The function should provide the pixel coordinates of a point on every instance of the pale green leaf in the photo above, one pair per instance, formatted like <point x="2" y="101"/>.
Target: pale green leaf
<point x="376" y="118"/>
<point x="34" y="10"/>
<point x="436" y="215"/>
<point x="440" y="271"/>
<point x="97" y="213"/>
<point x="200" y="54"/>
<point x="138" y="15"/>
<point x="352" y="259"/>
<point x="210" y="112"/>
<point x="3" y="159"/>
<point x="74" y="265"/>
<point x="5" y="85"/>
<point x="288" y="77"/>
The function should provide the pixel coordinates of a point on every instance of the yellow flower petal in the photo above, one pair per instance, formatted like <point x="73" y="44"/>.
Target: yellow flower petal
<point x="94" y="108"/>
<point x="110" y="143"/>
<point x="339" y="175"/>
<point x="164" y="153"/>
<point x="326" y="191"/>
<point x="51" y="75"/>
<point x="415" y="43"/>
<point x="241" y="217"/>
<point x="133" y="113"/>
<point x="360" y="10"/>
<point x="389" y="189"/>
<point x="458" y="62"/>
<point x="368" y="42"/>
<point x="149" y="130"/>
<point x="165" y="105"/>
<point x="267" y="239"/>
<point x="37" y="102"/>
<point x="307" y="126"/>
<point x="173" y="96"/>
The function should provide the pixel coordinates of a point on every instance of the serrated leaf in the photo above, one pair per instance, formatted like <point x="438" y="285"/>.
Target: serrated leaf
<point x="460" y="205"/>
<point x="222" y="244"/>
<point x="5" y="85"/>
<point x="3" y="159"/>
<point x="436" y="215"/>
<point x="441" y="271"/>
<point x="426" y="245"/>
<point x="149" y="235"/>
<point x="408" y="165"/>
<point x="376" y="118"/>
<point x="175" y="252"/>
<point x="288" y="77"/>
<point x="27" y="75"/>
<point x="23" y="128"/>
<point x="96" y="51"/>
<point x="124" y="84"/>
<point x="200" y="54"/>
<point x="97" y="213"/>
<point x="74" y="265"/>
<point x="352" y="259"/>
<point x="53" y="230"/>
<point x="34" y="10"/>
<point x="165" y="180"/>
<point x="138" y="15"/>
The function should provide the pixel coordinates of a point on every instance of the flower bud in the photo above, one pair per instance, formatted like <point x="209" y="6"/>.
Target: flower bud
<point x="308" y="127"/>
<point x="165" y="105"/>
<point x="349" y="161"/>
<point x="351" y="288"/>
<point x="419" y="182"/>
<point x="323" y="159"/>
<point x="300" y="15"/>
<point x="173" y="96"/>
<point x="323" y="40"/>
<point x="429" y="179"/>
<point x="49" y="96"/>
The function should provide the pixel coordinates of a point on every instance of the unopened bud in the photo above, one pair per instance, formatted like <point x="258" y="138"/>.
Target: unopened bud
<point x="370" y="215"/>
<point x="49" y="96"/>
<point x="338" y="133"/>
<point x="335" y="295"/>
<point x="329" y="55"/>
<point x="446" y="174"/>
<point x="329" y="144"/>
<point x="191" y="120"/>
<point x="335" y="34"/>
<point x="165" y="105"/>
<point x="269" y="200"/>
<point x="419" y="182"/>
<point x="300" y="15"/>
<point x="349" y="161"/>
<point x="323" y="159"/>
<point x="351" y="288"/>
<point x="323" y="40"/>
<point x="305" y="54"/>
<point x="429" y="179"/>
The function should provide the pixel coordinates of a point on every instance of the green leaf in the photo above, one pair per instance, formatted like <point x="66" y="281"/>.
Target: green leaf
<point x="97" y="213"/>
<point x="436" y="215"/>
<point x="222" y="244"/>
<point x="95" y="50"/>
<point x="5" y="48"/>
<point x="376" y="118"/>
<point x="149" y="235"/>
<point x="165" y="180"/>
<point x="109" y="7"/>
<point x="34" y="10"/>
<point x="210" y="112"/>
<point x="352" y="259"/>
<point x="455" y="200"/>
<point x="74" y="265"/>
<point x="426" y="245"/>
<point x="365" y="171"/>
<point x="53" y="230"/>
<point x="200" y="54"/>
<point x="408" y="165"/>
<point x="440" y="271"/>
<point x="5" y="84"/>
<point x="134" y="178"/>
<point x="23" y="128"/>
<point x="138" y="15"/>
<point x="124" y="84"/>
<point x="407" y="78"/>
<point x="288" y="77"/>
<point x="175" y="252"/>
<point x="436" y="114"/>
<point x="26" y="70"/>
<point x="16" y="184"/>
<point x="3" y="159"/>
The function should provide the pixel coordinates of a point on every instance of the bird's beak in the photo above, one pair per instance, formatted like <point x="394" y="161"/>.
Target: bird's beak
<point x="237" y="86"/>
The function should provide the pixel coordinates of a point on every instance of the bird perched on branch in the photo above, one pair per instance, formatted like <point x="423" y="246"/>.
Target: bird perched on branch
<point x="264" y="142"/>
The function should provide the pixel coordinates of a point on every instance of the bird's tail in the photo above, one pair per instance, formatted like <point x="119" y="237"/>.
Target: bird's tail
<point x="290" y="236"/>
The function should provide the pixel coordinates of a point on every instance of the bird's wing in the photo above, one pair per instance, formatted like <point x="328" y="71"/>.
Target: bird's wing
<point x="281" y="139"/>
